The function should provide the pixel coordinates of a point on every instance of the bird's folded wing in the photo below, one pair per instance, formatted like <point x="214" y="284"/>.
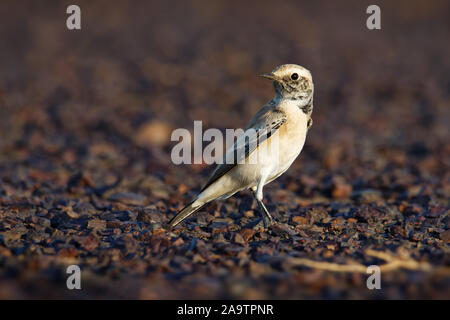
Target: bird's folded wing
<point x="265" y="123"/>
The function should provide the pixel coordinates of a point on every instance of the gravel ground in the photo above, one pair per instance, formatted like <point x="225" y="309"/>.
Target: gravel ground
<point x="86" y="176"/>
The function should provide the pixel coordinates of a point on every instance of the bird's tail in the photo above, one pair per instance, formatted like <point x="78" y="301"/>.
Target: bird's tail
<point x="190" y="209"/>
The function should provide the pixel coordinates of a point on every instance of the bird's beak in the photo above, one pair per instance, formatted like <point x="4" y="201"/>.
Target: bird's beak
<point x="270" y="76"/>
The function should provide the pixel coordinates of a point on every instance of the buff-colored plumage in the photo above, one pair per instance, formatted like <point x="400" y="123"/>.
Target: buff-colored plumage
<point x="280" y="129"/>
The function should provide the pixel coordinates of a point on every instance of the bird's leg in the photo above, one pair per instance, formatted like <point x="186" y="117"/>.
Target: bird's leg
<point x="263" y="207"/>
<point x="259" y="196"/>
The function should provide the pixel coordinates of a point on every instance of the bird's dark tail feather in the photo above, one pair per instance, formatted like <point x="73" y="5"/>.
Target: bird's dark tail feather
<point x="190" y="209"/>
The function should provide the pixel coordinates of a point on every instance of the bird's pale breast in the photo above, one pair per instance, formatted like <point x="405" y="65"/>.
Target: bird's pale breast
<point x="292" y="137"/>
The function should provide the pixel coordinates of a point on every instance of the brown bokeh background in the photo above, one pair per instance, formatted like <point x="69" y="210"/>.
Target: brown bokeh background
<point x="99" y="105"/>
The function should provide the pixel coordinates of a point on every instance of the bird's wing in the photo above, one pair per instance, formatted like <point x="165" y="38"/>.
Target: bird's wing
<point x="260" y="128"/>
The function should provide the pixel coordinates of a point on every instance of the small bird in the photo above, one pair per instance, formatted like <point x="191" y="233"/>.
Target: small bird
<point x="282" y="122"/>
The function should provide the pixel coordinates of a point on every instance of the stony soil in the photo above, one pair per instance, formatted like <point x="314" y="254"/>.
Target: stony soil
<point x="86" y="176"/>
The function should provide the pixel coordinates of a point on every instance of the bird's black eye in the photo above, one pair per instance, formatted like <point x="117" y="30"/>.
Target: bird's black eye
<point x="294" y="76"/>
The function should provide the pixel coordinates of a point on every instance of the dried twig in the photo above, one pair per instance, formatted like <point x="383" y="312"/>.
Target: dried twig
<point x="335" y="267"/>
<point x="393" y="262"/>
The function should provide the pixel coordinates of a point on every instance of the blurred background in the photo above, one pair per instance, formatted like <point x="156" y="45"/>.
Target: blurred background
<point x="86" y="118"/>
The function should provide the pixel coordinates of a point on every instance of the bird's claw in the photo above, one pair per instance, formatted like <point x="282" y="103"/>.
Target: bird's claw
<point x="268" y="222"/>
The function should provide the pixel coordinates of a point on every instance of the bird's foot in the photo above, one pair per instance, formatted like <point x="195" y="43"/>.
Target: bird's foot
<point x="269" y="222"/>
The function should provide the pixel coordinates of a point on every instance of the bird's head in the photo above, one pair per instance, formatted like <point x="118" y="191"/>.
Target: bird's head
<point x="292" y="81"/>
